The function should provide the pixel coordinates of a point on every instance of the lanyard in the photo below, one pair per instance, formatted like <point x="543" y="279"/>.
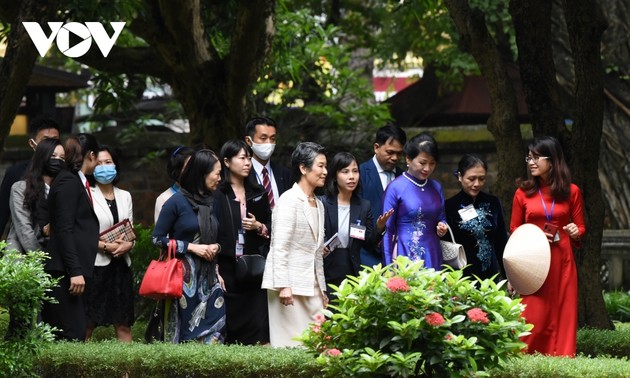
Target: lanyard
<point x="548" y="215"/>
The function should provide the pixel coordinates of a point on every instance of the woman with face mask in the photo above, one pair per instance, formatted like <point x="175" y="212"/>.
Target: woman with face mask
<point x="29" y="230"/>
<point x="109" y="294"/>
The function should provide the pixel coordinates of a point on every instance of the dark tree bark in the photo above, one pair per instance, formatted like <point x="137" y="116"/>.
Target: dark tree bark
<point x="585" y="25"/>
<point x="532" y="24"/>
<point x="19" y="59"/>
<point x="503" y="123"/>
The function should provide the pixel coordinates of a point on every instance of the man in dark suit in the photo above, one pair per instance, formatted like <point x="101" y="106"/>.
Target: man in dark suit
<point x="41" y="128"/>
<point x="261" y="137"/>
<point x="377" y="173"/>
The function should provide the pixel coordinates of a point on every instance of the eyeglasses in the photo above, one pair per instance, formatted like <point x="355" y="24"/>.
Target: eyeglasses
<point x="535" y="158"/>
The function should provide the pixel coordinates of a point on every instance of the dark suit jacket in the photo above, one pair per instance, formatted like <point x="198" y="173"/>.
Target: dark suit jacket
<point x="230" y="222"/>
<point x="359" y="209"/>
<point x="74" y="227"/>
<point x="281" y="175"/>
<point x="12" y="175"/>
<point x="372" y="190"/>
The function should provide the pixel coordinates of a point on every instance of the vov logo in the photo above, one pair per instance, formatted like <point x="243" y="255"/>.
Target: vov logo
<point x="87" y="32"/>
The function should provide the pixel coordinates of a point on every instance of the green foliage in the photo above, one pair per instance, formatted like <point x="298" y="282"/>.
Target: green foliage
<point x="405" y="320"/>
<point x="143" y="252"/>
<point x="618" y="305"/>
<point x="596" y="342"/>
<point x="96" y="359"/>
<point x="23" y="286"/>
<point x="309" y="70"/>
<point x="580" y="367"/>
<point x="113" y="359"/>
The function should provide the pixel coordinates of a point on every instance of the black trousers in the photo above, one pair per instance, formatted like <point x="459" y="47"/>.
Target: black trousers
<point x="68" y="315"/>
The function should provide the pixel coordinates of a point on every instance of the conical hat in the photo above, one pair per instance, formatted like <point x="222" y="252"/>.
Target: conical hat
<point x="526" y="258"/>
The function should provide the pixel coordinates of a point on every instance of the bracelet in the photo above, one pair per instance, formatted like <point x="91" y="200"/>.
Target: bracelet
<point x="218" y="249"/>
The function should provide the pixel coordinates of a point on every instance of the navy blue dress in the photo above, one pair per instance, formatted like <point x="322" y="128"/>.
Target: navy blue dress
<point x="483" y="237"/>
<point x="200" y="313"/>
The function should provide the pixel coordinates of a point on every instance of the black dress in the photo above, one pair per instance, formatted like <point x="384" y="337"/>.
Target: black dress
<point x="247" y="316"/>
<point x="483" y="237"/>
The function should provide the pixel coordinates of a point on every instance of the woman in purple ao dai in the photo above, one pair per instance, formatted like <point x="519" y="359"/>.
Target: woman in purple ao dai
<point x="418" y="222"/>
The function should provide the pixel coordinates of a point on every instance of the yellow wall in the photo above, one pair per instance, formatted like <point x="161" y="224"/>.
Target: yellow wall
<point x="20" y="125"/>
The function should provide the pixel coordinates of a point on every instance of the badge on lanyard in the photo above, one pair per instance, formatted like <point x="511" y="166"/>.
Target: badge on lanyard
<point x="357" y="231"/>
<point x="467" y="213"/>
<point x="240" y="243"/>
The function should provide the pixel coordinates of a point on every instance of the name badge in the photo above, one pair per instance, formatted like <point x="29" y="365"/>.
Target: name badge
<point x="240" y="243"/>
<point x="357" y="231"/>
<point x="468" y="213"/>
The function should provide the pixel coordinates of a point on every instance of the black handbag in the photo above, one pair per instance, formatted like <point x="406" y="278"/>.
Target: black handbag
<point x="155" y="326"/>
<point x="250" y="267"/>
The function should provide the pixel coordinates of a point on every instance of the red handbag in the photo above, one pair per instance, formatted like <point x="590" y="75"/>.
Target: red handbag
<point x="164" y="278"/>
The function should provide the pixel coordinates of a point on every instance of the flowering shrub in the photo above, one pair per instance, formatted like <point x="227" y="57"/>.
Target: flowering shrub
<point x="405" y="320"/>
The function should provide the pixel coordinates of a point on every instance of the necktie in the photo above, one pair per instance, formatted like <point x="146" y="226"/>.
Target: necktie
<point x="267" y="185"/>
<point x="87" y="187"/>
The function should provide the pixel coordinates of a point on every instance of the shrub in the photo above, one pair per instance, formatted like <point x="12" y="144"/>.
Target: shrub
<point x="404" y="320"/>
<point x="618" y="305"/>
<point x="599" y="342"/>
<point x="143" y="252"/>
<point x="23" y="287"/>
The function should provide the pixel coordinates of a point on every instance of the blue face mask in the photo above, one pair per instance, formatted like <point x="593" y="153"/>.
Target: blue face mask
<point x="105" y="174"/>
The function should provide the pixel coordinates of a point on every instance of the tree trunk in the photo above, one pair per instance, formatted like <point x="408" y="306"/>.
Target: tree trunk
<point x="586" y="24"/>
<point x="19" y="60"/>
<point x="532" y="24"/>
<point x="212" y="86"/>
<point x="503" y="123"/>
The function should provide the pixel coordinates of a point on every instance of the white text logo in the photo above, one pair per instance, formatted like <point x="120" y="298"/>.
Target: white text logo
<point x="87" y="32"/>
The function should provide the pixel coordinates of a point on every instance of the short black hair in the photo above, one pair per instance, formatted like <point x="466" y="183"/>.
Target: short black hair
<point x="340" y="161"/>
<point x="176" y="161"/>
<point x="388" y="132"/>
<point x="423" y="142"/>
<point x="40" y="123"/>
<point x="469" y="161"/>
<point x="250" y="126"/>
<point x="193" y="177"/>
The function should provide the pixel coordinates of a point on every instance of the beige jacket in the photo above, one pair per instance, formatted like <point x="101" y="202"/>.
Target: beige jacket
<point x="106" y="219"/>
<point x="295" y="256"/>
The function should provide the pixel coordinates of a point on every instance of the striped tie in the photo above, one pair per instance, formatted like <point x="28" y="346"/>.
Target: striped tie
<point x="267" y="185"/>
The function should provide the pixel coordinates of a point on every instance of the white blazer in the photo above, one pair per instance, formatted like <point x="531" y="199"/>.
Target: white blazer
<point x="106" y="219"/>
<point x="295" y="255"/>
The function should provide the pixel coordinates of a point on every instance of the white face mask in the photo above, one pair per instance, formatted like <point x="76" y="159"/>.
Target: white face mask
<point x="263" y="150"/>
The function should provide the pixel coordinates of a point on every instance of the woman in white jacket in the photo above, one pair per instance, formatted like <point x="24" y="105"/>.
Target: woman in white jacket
<point x="109" y="294"/>
<point x="294" y="271"/>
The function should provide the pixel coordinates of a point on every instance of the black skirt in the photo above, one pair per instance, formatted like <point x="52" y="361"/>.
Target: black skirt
<point x="109" y="295"/>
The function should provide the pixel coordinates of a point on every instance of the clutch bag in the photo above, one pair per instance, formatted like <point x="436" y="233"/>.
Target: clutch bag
<point x="121" y="230"/>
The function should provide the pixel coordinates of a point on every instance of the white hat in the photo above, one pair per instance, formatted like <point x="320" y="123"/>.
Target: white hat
<point x="526" y="258"/>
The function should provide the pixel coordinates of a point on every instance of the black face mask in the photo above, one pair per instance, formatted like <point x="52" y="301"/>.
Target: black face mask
<point x="54" y="166"/>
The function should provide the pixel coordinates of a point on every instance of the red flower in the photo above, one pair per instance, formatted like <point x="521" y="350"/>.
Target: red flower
<point x="333" y="352"/>
<point x="434" y="319"/>
<point x="477" y="315"/>
<point x="395" y="284"/>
